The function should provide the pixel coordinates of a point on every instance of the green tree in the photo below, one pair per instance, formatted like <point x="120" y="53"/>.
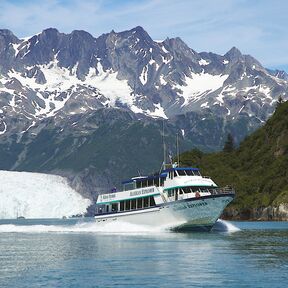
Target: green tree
<point x="279" y="101"/>
<point x="229" y="144"/>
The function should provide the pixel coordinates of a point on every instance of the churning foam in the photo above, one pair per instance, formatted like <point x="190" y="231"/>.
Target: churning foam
<point x="225" y="226"/>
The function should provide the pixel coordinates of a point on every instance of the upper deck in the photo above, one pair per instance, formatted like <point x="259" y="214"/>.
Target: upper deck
<point x="185" y="177"/>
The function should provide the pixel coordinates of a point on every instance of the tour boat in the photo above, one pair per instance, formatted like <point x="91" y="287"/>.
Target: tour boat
<point x="178" y="198"/>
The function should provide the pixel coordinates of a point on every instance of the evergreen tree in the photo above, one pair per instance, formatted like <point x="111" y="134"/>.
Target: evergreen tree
<point x="280" y="101"/>
<point x="229" y="144"/>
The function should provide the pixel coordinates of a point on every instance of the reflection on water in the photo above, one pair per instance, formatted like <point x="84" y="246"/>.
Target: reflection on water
<point x="70" y="257"/>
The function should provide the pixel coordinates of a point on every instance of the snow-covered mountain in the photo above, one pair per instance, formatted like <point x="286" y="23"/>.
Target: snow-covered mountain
<point x="56" y="74"/>
<point x="89" y="108"/>
<point x="35" y="195"/>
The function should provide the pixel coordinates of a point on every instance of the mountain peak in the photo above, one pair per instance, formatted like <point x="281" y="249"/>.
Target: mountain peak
<point x="81" y="34"/>
<point x="139" y="32"/>
<point x="138" y="29"/>
<point x="7" y="34"/>
<point x="176" y="43"/>
<point x="233" y="53"/>
<point x="50" y="31"/>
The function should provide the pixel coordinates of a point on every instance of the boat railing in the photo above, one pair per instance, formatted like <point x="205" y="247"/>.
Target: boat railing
<point x="222" y="190"/>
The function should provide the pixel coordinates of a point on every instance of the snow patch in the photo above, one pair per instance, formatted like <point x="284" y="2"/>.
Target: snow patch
<point x="35" y="195"/>
<point x="16" y="48"/>
<point x="159" y="112"/>
<point x="164" y="49"/>
<point x="199" y="85"/>
<point x="241" y="109"/>
<point x="265" y="90"/>
<point x="162" y="80"/>
<point x="204" y="105"/>
<point x="166" y="61"/>
<point x="225" y="61"/>
<point x="144" y="75"/>
<point x="152" y="62"/>
<point x="204" y="62"/>
<point x="109" y="85"/>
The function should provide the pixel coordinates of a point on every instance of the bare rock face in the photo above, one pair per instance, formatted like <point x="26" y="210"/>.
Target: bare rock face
<point x="270" y="213"/>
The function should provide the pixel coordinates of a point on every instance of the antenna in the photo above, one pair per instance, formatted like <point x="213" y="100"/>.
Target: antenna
<point x="164" y="148"/>
<point x="177" y="148"/>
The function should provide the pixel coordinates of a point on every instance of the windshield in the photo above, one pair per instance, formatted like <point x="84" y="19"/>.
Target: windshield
<point x="188" y="173"/>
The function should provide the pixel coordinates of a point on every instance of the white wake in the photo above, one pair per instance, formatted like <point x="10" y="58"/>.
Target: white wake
<point x="86" y="227"/>
<point x="36" y="195"/>
<point x="225" y="226"/>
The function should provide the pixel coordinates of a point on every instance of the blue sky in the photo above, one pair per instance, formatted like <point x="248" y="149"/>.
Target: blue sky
<point x="256" y="27"/>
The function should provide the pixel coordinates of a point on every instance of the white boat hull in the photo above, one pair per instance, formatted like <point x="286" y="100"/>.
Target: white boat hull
<point x="189" y="214"/>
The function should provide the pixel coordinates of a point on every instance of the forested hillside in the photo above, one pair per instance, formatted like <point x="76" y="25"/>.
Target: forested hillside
<point x="258" y="169"/>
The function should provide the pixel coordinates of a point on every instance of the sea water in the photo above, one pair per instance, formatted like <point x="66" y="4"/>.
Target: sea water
<point x="78" y="253"/>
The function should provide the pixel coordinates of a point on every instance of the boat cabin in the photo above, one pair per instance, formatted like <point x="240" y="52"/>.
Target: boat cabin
<point x="179" y="172"/>
<point x="144" y="181"/>
<point x="158" y="179"/>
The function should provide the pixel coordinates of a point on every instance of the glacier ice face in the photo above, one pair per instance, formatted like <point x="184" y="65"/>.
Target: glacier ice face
<point x="36" y="195"/>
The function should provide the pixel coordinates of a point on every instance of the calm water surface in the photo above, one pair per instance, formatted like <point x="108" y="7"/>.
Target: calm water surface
<point x="76" y="253"/>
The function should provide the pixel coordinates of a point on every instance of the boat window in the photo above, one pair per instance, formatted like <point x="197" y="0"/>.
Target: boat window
<point x="181" y="172"/>
<point x="203" y="189"/>
<point x="197" y="173"/>
<point x="156" y="182"/>
<point x="128" y="186"/>
<point x="145" y="204"/>
<point x="133" y="204"/>
<point x="189" y="172"/>
<point x="186" y="190"/>
<point x="122" y="206"/>
<point x="107" y="208"/>
<point x="152" y="201"/>
<point x="127" y="205"/>
<point x="175" y="174"/>
<point x="114" y="207"/>
<point x="139" y="203"/>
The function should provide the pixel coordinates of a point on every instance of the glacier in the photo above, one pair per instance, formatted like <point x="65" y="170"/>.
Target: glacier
<point x="37" y="195"/>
